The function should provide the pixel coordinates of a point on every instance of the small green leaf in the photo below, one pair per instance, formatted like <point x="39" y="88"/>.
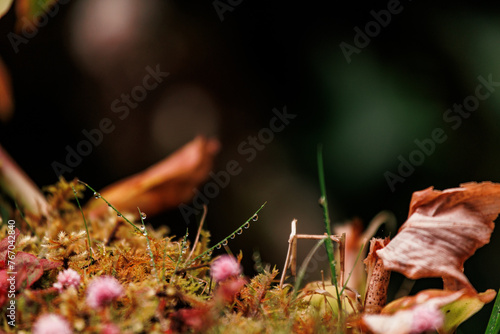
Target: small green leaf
<point x="462" y="309"/>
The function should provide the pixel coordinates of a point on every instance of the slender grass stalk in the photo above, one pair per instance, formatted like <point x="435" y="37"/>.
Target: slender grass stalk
<point x="303" y="267"/>
<point x="86" y="227"/>
<point x="328" y="242"/>
<point x="97" y="195"/>
<point x="354" y="266"/>
<point x="24" y="219"/>
<point x="494" y="323"/>
<point x="183" y="245"/>
<point x="145" y="233"/>
<point x="164" y="261"/>
<point x="224" y="241"/>
<point x="200" y="227"/>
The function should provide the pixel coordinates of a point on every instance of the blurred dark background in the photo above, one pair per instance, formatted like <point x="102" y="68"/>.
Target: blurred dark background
<point x="226" y="76"/>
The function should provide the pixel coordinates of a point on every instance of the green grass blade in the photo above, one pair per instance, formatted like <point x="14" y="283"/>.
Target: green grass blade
<point x="328" y="241"/>
<point x="494" y="323"/>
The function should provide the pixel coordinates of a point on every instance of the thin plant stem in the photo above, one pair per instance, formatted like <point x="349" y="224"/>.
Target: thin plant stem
<point x="145" y="233"/>
<point x="224" y="241"/>
<point x="183" y="244"/>
<point x="202" y="221"/>
<point x="303" y="267"/>
<point x="354" y="266"/>
<point x="111" y="206"/>
<point x="85" y="223"/>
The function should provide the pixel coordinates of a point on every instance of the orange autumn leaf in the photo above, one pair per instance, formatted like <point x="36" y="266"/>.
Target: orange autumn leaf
<point x="444" y="228"/>
<point x="164" y="185"/>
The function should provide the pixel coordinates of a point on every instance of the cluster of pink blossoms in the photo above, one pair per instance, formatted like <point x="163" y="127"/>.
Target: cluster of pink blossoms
<point x="66" y="279"/>
<point x="225" y="267"/>
<point x="51" y="324"/>
<point x="103" y="290"/>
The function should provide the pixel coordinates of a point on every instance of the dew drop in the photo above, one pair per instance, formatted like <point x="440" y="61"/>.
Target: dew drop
<point x="255" y="218"/>
<point x="239" y="231"/>
<point x="209" y="253"/>
<point x="145" y="234"/>
<point x="247" y="225"/>
<point x="219" y="246"/>
<point x="224" y="243"/>
<point x="143" y="215"/>
<point x="119" y="214"/>
<point x="233" y="236"/>
<point x="142" y="228"/>
<point x="97" y="195"/>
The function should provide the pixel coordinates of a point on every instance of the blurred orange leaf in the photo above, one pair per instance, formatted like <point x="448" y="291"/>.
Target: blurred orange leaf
<point x="29" y="11"/>
<point x="15" y="182"/>
<point x="444" y="228"/>
<point x="164" y="185"/>
<point x="6" y="100"/>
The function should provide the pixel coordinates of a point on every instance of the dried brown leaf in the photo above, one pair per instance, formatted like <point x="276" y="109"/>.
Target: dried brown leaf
<point x="164" y="185"/>
<point x="444" y="228"/>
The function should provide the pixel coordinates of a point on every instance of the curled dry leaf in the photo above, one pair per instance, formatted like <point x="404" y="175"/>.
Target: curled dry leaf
<point x="444" y="228"/>
<point x="429" y="310"/>
<point x="164" y="185"/>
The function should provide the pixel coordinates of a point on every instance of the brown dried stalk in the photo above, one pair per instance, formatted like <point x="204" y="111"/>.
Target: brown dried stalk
<point x="378" y="278"/>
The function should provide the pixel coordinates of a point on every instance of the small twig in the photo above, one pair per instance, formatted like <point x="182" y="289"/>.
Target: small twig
<point x="291" y="240"/>
<point x="291" y="255"/>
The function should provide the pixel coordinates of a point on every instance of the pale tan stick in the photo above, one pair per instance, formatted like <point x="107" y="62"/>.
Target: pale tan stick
<point x="291" y="255"/>
<point x="291" y="241"/>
